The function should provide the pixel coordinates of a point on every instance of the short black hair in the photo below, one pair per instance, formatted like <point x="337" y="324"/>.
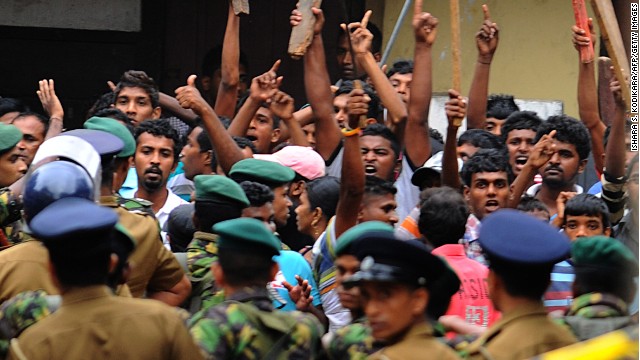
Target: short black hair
<point x="486" y="160"/>
<point x="41" y="118"/>
<point x="115" y="114"/>
<point x="135" y="78"/>
<point x="378" y="187"/>
<point x="204" y="142"/>
<point x="242" y="268"/>
<point x="163" y="128"/>
<point x="258" y="194"/>
<point x="211" y="212"/>
<point x="500" y="106"/>
<point x="243" y="142"/>
<point x="568" y="130"/>
<point x="383" y="131"/>
<point x="8" y="105"/>
<point x="481" y="139"/>
<point x="375" y="108"/>
<point x="530" y="204"/>
<point x="324" y="193"/>
<point x="443" y="216"/>
<point x="527" y="281"/>
<point x="589" y="205"/>
<point x="521" y="120"/>
<point x="402" y="66"/>
<point x="103" y="102"/>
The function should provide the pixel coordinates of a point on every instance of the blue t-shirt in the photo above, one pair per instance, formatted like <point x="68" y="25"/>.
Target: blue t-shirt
<point x="291" y="264"/>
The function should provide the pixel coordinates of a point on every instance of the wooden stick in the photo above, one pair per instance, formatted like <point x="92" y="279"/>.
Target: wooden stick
<point x="240" y="7"/>
<point x="302" y="34"/>
<point x="455" y="48"/>
<point x="606" y="102"/>
<point x="582" y="21"/>
<point x="612" y="39"/>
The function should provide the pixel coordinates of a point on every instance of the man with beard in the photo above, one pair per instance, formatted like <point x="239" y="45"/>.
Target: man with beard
<point x="559" y="173"/>
<point x="156" y="156"/>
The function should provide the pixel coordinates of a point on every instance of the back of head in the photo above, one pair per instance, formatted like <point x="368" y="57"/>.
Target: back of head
<point x="324" y="193"/>
<point x="10" y="105"/>
<point x="604" y="265"/>
<point x="589" y="205"/>
<point x="161" y="128"/>
<point x="521" y="120"/>
<point x="481" y="139"/>
<point x="500" y="106"/>
<point x="443" y="216"/>
<point x="258" y="194"/>
<point x="485" y="160"/>
<point x="568" y="130"/>
<point x="140" y="79"/>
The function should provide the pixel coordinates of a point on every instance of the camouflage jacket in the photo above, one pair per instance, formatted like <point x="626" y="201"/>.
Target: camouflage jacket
<point x="595" y="314"/>
<point x="22" y="311"/>
<point x="10" y="219"/>
<point x="353" y="341"/>
<point x="202" y="251"/>
<point x="245" y="326"/>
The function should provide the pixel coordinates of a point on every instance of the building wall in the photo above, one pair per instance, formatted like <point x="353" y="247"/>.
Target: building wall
<point x="535" y="58"/>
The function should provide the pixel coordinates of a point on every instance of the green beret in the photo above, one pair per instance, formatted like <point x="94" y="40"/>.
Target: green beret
<point x="265" y="172"/>
<point x="218" y="187"/>
<point x="602" y="251"/>
<point x="114" y="127"/>
<point x="9" y="137"/>
<point x="246" y="234"/>
<point x="358" y="232"/>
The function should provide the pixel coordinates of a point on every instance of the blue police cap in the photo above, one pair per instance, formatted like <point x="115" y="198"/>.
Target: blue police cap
<point x="72" y="218"/>
<point x="104" y="142"/>
<point x="511" y="236"/>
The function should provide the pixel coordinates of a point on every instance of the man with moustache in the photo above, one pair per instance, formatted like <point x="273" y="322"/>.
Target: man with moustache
<point x="560" y="172"/>
<point x="156" y="156"/>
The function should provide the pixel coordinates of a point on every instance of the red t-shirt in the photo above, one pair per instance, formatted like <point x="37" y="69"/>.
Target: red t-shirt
<point x="472" y="301"/>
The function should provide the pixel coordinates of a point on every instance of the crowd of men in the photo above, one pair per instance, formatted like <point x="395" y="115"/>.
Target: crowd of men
<point x="223" y="223"/>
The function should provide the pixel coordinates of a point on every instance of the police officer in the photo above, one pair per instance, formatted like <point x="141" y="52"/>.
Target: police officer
<point x="521" y="251"/>
<point x="91" y="320"/>
<point x="245" y="325"/>
<point x="403" y="287"/>
<point x="155" y="271"/>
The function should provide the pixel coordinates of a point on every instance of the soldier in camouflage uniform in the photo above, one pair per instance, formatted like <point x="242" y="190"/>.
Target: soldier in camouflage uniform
<point x="12" y="167"/>
<point x="353" y="341"/>
<point x="245" y="325"/>
<point x="155" y="272"/>
<point x="603" y="287"/>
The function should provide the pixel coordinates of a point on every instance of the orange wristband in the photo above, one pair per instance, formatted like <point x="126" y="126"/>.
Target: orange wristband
<point x="350" y="132"/>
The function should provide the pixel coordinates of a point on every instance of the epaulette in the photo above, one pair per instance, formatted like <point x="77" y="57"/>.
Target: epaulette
<point x="138" y="206"/>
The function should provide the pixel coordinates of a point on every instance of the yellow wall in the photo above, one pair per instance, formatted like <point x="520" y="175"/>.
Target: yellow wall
<point x="535" y="58"/>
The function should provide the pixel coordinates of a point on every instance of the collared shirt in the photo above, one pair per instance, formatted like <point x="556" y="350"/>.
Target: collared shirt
<point x="172" y="202"/>
<point x="472" y="301"/>
<point x="417" y="342"/>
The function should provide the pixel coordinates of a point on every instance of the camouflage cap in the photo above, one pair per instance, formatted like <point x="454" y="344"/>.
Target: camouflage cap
<point x="218" y="187"/>
<point x="114" y="127"/>
<point x="361" y="231"/>
<point x="602" y="251"/>
<point x="246" y="234"/>
<point x="265" y="172"/>
<point x="9" y="137"/>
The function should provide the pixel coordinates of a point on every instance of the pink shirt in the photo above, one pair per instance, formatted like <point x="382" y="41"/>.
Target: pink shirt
<point x="472" y="301"/>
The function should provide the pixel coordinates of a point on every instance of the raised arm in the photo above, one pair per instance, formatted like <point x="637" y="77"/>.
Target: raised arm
<point x="613" y="180"/>
<point x="588" y="96"/>
<point x="417" y="142"/>
<point x="455" y="108"/>
<point x="227" y="152"/>
<point x="318" y="88"/>
<point x="52" y="106"/>
<point x="282" y="106"/>
<point x="352" y="179"/>
<point x="171" y="104"/>
<point x="487" y="43"/>
<point x="361" y="42"/>
<point x="230" y="67"/>
<point x="263" y="87"/>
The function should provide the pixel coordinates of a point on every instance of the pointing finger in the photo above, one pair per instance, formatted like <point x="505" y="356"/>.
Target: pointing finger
<point x="365" y="19"/>
<point x="276" y="66"/>
<point x="485" y="10"/>
<point x="417" y="8"/>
